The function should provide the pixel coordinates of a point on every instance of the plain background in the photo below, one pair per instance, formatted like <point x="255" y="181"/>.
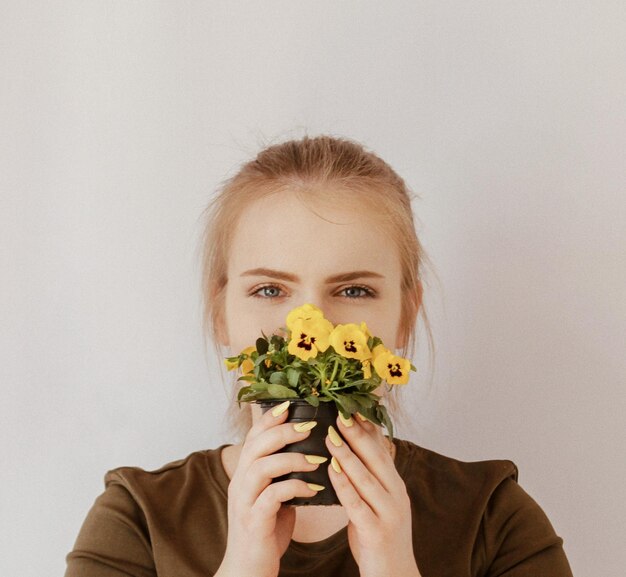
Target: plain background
<point x="119" y="120"/>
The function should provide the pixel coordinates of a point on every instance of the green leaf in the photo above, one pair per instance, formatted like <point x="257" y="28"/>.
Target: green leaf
<point x="349" y="405"/>
<point x="293" y="376"/>
<point x="358" y="383"/>
<point x="313" y="400"/>
<point x="368" y="413"/>
<point x="280" y="392"/>
<point x="254" y="395"/>
<point x="259" y="386"/>
<point x="278" y="378"/>
<point x="340" y="406"/>
<point x="365" y="401"/>
<point x="383" y="416"/>
<point x="277" y="341"/>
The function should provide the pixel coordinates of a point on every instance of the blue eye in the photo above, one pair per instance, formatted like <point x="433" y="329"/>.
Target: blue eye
<point x="357" y="291"/>
<point x="353" y="292"/>
<point x="267" y="291"/>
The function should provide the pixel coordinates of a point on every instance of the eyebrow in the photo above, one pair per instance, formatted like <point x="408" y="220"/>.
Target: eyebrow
<point x="343" y="277"/>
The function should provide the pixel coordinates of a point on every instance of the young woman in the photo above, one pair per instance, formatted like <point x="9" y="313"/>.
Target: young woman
<point x="321" y="221"/>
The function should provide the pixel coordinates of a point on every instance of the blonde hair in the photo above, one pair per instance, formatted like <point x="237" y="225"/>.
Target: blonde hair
<point x="311" y="167"/>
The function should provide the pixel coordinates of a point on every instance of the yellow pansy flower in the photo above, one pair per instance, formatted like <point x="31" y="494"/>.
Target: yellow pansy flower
<point x="378" y="350"/>
<point x="231" y="365"/>
<point x="365" y="330"/>
<point x="247" y="366"/>
<point x="308" y="336"/>
<point x="305" y="312"/>
<point x="350" y="341"/>
<point x="391" y="368"/>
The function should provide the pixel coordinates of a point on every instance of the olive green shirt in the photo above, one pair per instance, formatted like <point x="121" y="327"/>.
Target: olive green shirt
<point x="469" y="519"/>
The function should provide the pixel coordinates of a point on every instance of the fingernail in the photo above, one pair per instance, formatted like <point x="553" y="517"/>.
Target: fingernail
<point x="347" y="422"/>
<point x="315" y="487"/>
<point x="335" y="465"/>
<point x="304" y="427"/>
<point x="361" y="417"/>
<point x="280" y="409"/>
<point x="315" y="459"/>
<point x="335" y="439"/>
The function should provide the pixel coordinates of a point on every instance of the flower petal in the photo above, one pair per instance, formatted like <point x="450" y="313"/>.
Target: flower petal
<point x="393" y="369"/>
<point x="231" y="365"/>
<point x="309" y="336"/>
<point x="305" y="312"/>
<point x="350" y="341"/>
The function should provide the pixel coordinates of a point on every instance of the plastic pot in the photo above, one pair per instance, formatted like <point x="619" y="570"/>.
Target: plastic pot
<point x="325" y="415"/>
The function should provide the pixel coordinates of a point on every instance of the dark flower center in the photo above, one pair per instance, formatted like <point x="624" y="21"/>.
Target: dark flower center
<point x="303" y="344"/>
<point x="394" y="369"/>
<point x="349" y="346"/>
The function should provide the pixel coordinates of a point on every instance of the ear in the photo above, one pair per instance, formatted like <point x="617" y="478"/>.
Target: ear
<point x="413" y="300"/>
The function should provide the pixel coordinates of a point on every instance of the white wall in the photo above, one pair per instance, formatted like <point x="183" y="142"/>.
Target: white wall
<point x="120" y="118"/>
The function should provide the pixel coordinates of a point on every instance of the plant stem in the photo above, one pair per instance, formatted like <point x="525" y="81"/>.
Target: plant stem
<point x="332" y="378"/>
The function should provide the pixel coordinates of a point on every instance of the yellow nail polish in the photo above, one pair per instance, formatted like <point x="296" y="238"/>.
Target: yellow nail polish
<point x="304" y="427"/>
<point x="335" y="439"/>
<point x="361" y="417"/>
<point x="347" y="422"/>
<point x="335" y="465"/>
<point x="315" y="459"/>
<point x="315" y="487"/>
<point x="280" y="409"/>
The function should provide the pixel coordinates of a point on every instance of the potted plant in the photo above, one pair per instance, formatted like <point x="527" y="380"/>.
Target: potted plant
<point x="324" y="370"/>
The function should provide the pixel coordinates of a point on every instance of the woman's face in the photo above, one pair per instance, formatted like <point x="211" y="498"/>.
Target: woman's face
<point x="283" y="255"/>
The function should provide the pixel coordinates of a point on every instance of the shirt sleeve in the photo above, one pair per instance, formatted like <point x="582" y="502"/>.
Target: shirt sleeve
<point x="113" y="540"/>
<point x="518" y="537"/>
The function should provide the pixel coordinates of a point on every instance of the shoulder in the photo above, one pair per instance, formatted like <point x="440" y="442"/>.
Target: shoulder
<point x="479" y="506"/>
<point x="129" y="528"/>
<point x="438" y="474"/>
<point x="450" y="492"/>
<point x="200" y="470"/>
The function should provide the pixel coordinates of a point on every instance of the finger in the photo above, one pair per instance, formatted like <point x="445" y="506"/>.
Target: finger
<point x="269" y="419"/>
<point x="359" y="511"/>
<point x="363" y="481"/>
<point x="262" y="471"/>
<point x="271" y="440"/>
<point x="270" y="500"/>
<point x="369" y="445"/>
<point x="367" y="424"/>
<point x="355" y="423"/>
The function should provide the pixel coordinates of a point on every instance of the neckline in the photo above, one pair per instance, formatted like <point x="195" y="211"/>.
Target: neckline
<point x="337" y="540"/>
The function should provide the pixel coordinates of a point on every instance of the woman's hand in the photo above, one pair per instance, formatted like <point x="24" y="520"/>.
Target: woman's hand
<point x="259" y="529"/>
<point x="375" y="499"/>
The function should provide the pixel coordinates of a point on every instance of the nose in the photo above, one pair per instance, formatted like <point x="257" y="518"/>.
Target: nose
<point x="317" y="297"/>
<point x="312" y="296"/>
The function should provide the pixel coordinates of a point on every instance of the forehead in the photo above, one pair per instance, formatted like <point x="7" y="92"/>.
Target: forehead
<point x="280" y="231"/>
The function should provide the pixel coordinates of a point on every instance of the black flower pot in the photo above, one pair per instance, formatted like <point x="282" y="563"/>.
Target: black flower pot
<point x="325" y="415"/>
